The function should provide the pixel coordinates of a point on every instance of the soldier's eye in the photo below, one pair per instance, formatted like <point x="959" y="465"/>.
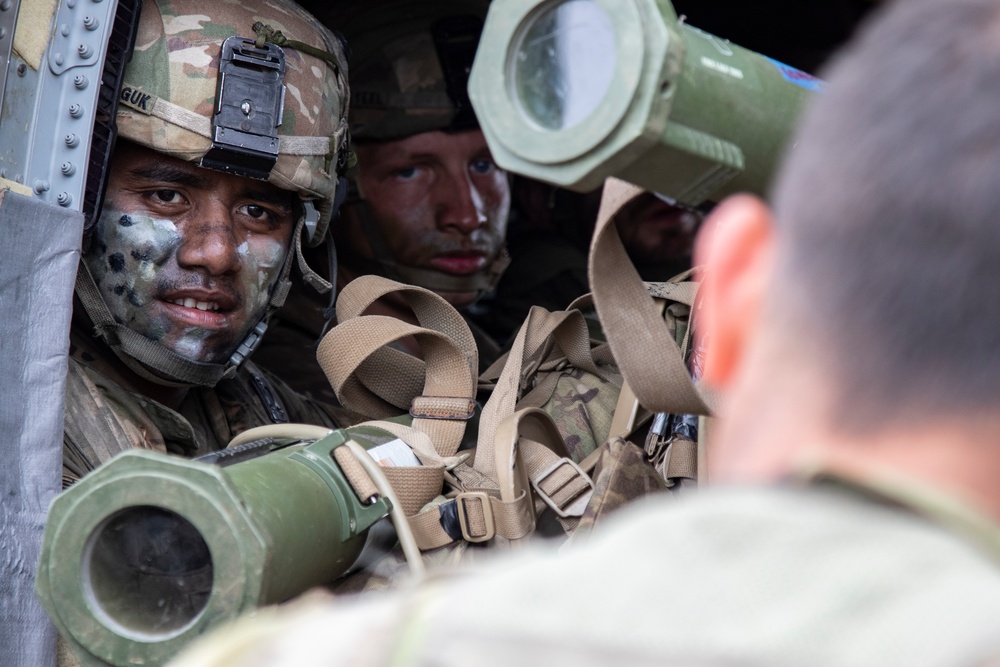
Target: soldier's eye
<point x="167" y="196"/>
<point x="254" y="211"/>
<point x="406" y="173"/>
<point x="482" y="166"/>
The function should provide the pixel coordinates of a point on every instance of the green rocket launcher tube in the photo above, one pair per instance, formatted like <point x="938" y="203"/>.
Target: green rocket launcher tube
<point x="574" y="91"/>
<point x="150" y="551"/>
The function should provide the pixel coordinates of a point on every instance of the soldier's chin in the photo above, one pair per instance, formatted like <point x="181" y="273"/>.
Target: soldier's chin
<point x="204" y="350"/>
<point x="459" y="299"/>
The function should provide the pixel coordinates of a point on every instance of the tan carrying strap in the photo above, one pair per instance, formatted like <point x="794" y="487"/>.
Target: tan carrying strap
<point x="378" y="382"/>
<point x="529" y="455"/>
<point x="648" y="356"/>
<point x="407" y="372"/>
<point x="566" y="333"/>
<point x="521" y="451"/>
<point x="520" y="455"/>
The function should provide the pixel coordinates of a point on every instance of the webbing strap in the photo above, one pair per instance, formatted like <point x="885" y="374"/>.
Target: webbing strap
<point x="647" y="354"/>
<point x="415" y="486"/>
<point x="569" y="330"/>
<point x="431" y="311"/>
<point x="529" y="453"/>
<point x="202" y="126"/>
<point x="475" y="517"/>
<point x="439" y="391"/>
<point x="350" y="343"/>
<point x="681" y="460"/>
<point x="362" y="484"/>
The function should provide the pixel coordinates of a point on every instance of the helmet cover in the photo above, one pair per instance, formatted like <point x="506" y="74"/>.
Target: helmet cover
<point x="410" y="63"/>
<point x="169" y="92"/>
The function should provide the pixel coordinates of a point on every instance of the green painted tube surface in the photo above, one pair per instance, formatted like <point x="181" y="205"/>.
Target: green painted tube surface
<point x="301" y="517"/>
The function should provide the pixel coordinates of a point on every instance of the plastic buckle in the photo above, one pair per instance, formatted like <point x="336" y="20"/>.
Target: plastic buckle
<point x="578" y="503"/>
<point x="463" y="516"/>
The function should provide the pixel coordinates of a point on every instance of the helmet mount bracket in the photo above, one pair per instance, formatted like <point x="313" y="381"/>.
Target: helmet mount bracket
<point x="248" y="109"/>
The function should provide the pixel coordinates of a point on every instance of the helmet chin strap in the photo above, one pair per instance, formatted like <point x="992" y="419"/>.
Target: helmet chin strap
<point x="481" y="282"/>
<point x="154" y="362"/>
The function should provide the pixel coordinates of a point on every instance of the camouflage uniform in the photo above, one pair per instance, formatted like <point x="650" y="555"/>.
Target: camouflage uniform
<point x="104" y="418"/>
<point x="828" y="572"/>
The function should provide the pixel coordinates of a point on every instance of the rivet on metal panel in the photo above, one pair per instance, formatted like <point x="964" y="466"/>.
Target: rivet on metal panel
<point x="21" y="69"/>
<point x="58" y="58"/>
<point x="71" y="3"/>
<point x="90" y="23"/>
<point x="64" y="199"/>
<point x="72" y="140"/>
<point x="3" y="33"/>
<point x="80" y="81"/>
<point x="75" y="110"/>
<point x="85" y="50"/>
<point x="5" y="5"/>
<point x="68" y="168"/>
<point x="40" y="186"/>
<point x="64" y="30"/>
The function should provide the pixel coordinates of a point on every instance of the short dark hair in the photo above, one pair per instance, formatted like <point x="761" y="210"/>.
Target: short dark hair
<point x="888" y="208"/>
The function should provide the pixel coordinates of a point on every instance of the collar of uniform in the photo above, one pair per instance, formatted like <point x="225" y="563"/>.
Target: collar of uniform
<point x="173" y="427"/>
<point x="912" y="495"/>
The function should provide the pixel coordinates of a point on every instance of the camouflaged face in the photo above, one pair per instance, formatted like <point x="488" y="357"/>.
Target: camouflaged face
<point x="176" y="59"/>
<point x="398" y="82"/>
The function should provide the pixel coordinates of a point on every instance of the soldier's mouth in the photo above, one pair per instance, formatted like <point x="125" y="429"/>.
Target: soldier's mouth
<point x="206" y="309"/>
<point x="460" y="263"/>
<point x="200" y="305"/>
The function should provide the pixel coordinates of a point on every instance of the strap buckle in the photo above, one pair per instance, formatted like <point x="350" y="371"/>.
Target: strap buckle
<point x="463" y="508"/>
<point x="576" y="503"/>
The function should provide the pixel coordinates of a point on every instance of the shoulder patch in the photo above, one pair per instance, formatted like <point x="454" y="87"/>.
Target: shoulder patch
<point x="134" y="98"/>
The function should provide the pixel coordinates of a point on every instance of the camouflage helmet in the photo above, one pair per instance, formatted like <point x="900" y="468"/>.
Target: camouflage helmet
<point x="169" y="90"/>
<point x="410" y="63"/>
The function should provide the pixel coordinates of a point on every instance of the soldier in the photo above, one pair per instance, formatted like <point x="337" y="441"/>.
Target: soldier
<point x="427" y="205"/>
<point x="853" y="332"/>
<point x="192" y="250"/>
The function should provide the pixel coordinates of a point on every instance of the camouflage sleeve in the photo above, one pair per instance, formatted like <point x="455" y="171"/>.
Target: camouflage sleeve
<point x="100" y="421"/>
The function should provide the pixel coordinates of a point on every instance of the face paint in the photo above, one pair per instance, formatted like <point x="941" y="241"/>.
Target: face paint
<point x="262" y="258"/>
<point x="134" y="262"/>
<point x="124" y="259"/>
<point x="187" y="256"/>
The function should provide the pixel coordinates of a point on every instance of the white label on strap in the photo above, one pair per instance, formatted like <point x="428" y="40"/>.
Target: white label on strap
<point x="394" y="454"/>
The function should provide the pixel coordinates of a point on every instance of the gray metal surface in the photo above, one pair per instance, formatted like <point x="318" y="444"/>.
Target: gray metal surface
<point x="56" y="104"/>
<point x="39" y="252"/>
<point x="8" y="19"/>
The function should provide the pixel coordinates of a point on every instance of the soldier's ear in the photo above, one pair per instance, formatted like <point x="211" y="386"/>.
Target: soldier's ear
<point x="736" y="249"/>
